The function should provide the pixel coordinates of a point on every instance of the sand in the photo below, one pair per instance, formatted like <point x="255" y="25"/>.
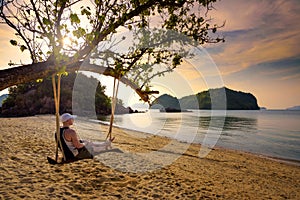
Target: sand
<point x="146" y="169"/>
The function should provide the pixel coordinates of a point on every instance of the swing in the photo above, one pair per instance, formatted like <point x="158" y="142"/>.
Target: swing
<point x="60" y="143"/>
<point x="113" y="107"/>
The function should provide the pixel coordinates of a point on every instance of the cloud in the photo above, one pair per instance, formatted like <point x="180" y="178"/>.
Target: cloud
<point x="278" y="70"/>
<point x="256" y="32"/>
<point x="244" y="14"/>
<point x="261" y="52"/>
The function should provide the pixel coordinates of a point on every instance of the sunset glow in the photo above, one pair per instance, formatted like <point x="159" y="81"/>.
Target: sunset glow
<point x="260" y="55"/>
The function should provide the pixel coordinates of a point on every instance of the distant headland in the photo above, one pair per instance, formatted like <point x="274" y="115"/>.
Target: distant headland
<point x="216" y="99"/>
<point x="294" y="108"/>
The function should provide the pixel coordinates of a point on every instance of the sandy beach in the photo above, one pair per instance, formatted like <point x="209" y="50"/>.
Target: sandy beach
<point x="222" y="174"/>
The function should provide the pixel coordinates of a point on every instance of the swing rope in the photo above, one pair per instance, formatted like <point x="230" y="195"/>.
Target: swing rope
<point x="56" y="92"/>
<point x="113" y="107"/>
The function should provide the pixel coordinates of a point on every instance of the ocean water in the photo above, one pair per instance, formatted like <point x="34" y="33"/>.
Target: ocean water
<point x="273" y="133"/>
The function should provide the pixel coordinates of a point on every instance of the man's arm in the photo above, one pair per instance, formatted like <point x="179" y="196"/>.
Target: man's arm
<point x="75" y="140"/>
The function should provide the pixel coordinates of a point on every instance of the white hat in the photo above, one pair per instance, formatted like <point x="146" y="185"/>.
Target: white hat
<point x="66" y="116"/>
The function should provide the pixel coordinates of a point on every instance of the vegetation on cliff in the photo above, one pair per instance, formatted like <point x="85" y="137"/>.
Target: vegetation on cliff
<point x="37" y="97"/>
<point x="223" y="98"/>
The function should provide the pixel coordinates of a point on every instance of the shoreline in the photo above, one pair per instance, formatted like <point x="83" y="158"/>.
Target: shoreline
<point x="274" y="158"/>
<point x="222" y="174"/>
<point x="268" y="157"/>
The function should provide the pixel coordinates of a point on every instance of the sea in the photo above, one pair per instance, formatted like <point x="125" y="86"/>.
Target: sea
<point x="270" y="133"/>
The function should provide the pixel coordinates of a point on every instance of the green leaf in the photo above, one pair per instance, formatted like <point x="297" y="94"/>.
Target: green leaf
<point x="46" y="21"/>
<point x="13" y="42"/>
<point x="23" y="47"/>
<point x="74" y="18"/>
<point x="79" y="32"/>
<point x="176" y="60"/>
<point x="11" y="63"/>
<point x="214" y="30"/>
<point x="85" y="12"/>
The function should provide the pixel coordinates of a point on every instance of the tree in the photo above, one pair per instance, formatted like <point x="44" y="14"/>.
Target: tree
<point x="63" y="35"/>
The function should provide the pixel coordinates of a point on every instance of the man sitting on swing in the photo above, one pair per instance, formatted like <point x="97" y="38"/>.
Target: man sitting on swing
<point x="80" y="149"/>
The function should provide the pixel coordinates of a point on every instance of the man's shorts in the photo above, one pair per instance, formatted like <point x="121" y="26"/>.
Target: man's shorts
<point x="83" y="153"/>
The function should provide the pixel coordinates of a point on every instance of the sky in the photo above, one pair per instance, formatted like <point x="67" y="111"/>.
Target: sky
<point x="261" y="53"/>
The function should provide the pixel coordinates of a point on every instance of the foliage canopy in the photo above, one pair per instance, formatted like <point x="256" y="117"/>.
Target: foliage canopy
<point x="61" y="34"/>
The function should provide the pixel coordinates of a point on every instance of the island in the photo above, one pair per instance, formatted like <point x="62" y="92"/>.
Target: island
<point x="294" y="108"/>
<point x="224" y="98"/>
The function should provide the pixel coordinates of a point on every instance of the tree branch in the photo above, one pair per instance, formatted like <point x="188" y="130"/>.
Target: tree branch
<point x="57" y="25"/>
<point x="32" y="72"/>
<point x="38" y="17"/>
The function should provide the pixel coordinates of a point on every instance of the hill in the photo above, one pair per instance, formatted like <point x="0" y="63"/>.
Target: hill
<point x="223" y="98"/>
<point x="37" y="97"/>
<point x="166" y="101"/>
<point x="294" y="108"/>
